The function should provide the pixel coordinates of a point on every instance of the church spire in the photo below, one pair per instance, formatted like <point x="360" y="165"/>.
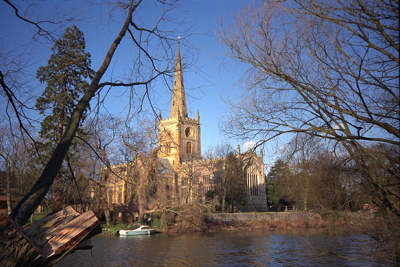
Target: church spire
<point x="178" y="107"/>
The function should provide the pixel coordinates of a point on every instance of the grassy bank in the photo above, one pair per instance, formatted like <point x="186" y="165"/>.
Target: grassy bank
<point x="112" y="229"/>
<point x="333" y="221"/>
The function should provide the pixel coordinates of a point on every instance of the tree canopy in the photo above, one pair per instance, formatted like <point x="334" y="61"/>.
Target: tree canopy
<point x="66" y="76"/>
<point x="236" y="192"/>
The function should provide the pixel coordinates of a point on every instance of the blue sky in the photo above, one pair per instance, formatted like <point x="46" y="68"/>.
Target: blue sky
<point x="212" y="79"/>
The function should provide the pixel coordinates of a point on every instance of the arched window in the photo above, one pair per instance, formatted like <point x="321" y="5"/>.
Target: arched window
<point x="189" y="148"/>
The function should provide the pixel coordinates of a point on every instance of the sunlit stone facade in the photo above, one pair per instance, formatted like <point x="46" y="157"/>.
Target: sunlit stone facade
<point x="179" y="143"/>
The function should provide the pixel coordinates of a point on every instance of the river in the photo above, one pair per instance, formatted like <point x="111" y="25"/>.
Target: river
<point x="235" y="248"/>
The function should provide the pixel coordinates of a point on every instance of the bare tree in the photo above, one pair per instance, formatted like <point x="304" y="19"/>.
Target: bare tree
<point x="329" y="69"/>
<point x="17" y="164"/>
<point x="102" y="144"/>
<point x="214" y="159"/>
<point x="8" y="162"/>
<point x="140" y="150"/>
<point x="319" y="179"/>
<point x="228" y="169"/>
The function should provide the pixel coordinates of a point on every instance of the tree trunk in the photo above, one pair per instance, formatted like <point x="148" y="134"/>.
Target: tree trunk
<point x="107" y="215"/>
<point x="305" y="203"/>
<point x="8" y="192"/>
<point x="176" y="187"/>
<point x="223" y="202"/>
<point x="104" y="205"/>
<point x="101" y="205"/>
<point x="57" y="202"/>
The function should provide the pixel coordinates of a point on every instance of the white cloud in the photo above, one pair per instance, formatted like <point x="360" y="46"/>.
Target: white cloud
<point x="248" y="145"/>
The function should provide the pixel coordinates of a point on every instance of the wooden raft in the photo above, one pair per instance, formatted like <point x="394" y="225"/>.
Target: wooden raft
<point x="56" y="235"/>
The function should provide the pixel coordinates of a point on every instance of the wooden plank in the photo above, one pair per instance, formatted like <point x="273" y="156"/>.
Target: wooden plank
<point x="47" y="241"/>
<point x="41" y="231"/>
<point x="70" y="234"/>
<point x="51" y="218"/>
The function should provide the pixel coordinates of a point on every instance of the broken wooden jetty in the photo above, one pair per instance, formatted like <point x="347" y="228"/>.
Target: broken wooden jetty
<point x="48" y="240"/>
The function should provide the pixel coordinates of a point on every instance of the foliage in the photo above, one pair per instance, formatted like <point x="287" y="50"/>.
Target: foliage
<point x="313" y="177"/>
<point x="184" y="218"/>
<point x="65" y="75"/>
<point x="210" y="195"/>
<point x="275" y="181"/>
<point x="113" y="229"/>
<point x="228" y="171"/>
<point x="233" y="176"/>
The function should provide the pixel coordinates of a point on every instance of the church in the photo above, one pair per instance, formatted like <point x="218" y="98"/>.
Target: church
<point x="179" y="164"/>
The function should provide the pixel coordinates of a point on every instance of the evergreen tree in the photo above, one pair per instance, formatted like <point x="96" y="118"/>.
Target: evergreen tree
<point x="236" y="191"/>
<point x="65" y="74"/>
<point x="276" y="180"/>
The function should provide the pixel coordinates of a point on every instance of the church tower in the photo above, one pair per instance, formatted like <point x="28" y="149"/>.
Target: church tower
<point x="179" y="135"/>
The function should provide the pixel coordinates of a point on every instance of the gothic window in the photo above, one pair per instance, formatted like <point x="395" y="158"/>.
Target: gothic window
<point x="189" y="148"/>
<point x="252" y="182"/>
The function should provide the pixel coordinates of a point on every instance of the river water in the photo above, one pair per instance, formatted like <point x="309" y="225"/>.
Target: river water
<point x="235" y="248"/>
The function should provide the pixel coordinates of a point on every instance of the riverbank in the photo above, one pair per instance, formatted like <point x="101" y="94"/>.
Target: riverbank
<point x="264" y="220"/>
<point x="332" y="220"/>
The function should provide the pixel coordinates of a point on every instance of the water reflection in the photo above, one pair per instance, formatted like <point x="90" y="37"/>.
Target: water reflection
<point x="226" y="249"/>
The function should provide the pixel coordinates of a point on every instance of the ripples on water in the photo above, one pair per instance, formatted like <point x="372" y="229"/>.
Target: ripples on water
<point x="226" y="249"/>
